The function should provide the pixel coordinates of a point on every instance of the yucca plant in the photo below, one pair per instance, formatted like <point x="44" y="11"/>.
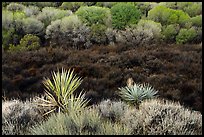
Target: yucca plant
<point x="135" y="93"/>
<point x="59" y="93"/>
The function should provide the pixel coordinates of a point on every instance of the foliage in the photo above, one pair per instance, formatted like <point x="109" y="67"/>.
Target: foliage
<point x="94" y="15"/>
<point x="136" y="93"/>
<point x="50" y="14"/>
<point x="33" y="26"/>
<point x="87" y="122"/>
<point x="106" y="4"/>
<point x="197" y="21"/>
<point x="145" y="32"/>
<point x="167" y="16"/>
<point x="28" y="42"/>
<point x="17" y="116"/>
<point x="170" y="32"/>
<point x="15" y="7"/>
<point x="60" y="92"/>
<point x="31" y="11"/>
<point x="69" y="32"/>
<point x="163" y="117"/>
<point x="73" y="6"/>
<point x="98" y="34"/>
<point x="124" y="14"/>
<point x="185" y="35"/>
<point x="112" y="110"/>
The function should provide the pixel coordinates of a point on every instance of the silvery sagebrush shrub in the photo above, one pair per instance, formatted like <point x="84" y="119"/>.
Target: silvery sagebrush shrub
<point x="112" y="110"/>
<point x="14" y="6"/>
<point x="94" y="15"/>
<point x="124" y="14"/>
<point x="145" y="32"/>
<point x="33" y="26"/>
<point x="69" y="32"/>
<point x="106" y="4"/>
<point x="17" y="116"/>
<point x="185" y="35"/>
<point x="49" y="14"/>
<point x="31" y="11"/>
<point x="163" y="117"/>
<point x="111" y="35"/>
<point x="87" y="122"/>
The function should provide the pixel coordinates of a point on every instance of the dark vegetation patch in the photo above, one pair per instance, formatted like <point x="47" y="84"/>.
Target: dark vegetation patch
<point x="174" y="70"/>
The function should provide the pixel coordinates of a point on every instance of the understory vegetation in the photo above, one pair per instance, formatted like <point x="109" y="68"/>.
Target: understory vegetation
<point x="101" y="68"/>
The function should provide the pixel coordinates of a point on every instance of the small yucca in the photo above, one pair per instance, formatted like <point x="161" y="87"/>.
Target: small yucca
<point x="135" y="93"/>
<point x="59" y="93"/>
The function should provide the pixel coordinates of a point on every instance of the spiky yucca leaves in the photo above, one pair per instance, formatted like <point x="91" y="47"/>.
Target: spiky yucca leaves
<point x="59" y="93"/>
<point x="135" y="93"/>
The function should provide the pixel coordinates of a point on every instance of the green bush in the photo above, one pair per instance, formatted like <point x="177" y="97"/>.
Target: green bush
<point x="197" y="21"/>
<point x="73" y="6"/>
<point x="106" y="4"/>
<point x="28" y="42"/>
<point x="185" y="36"/>
<point x="124" y="14"/>
<point x="94" y="15"/>
<point x="98" y="34"/>
<point x="168" y="16"/>
<point x="170" y="32"/>
<point x="163" y="117"/>
<point x="192" y="8"/>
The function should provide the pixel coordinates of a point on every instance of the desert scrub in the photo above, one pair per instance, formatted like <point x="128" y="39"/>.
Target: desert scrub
<point x="86" y="122"/>
<point x="69" y="32"/>
<point x="60" y="92"/>
<point x="170" y="32"/>
<point x="13" y="6"/>
<point x="124" y="14"/>
<point x="94" y="15"/>
<point x="17" y="116"/>
<point x="185" y="36"/>
<point x="163" y="117"/>
<point x="111" y="110"/>
<point x="73" y="6"/>
<point x="136" y="93"/>
<point x="98" y="34"/>
<point x="28" y="42"/>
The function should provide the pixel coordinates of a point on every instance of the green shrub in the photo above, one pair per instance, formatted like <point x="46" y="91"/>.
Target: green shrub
<point x="168" y="16"/>
<point x="124" y="14"/>
<point x="185" y="36"/>
<point x="33" y="26"/>
<point x="18" y="116"/>
<point x="94" y="15"/>
<point x="98" y="34"/>
<point x="28" y="42"/>
<point x="192" y="8"/>
<point x="13" y="6"/>
<point x="73" y="6"/>
<point x="163" y="117"/>
<point x="197" y="21"/>
<point x="50" y="14"/>
<point x="170" y="32"/>
<point x="106" y="4"/>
